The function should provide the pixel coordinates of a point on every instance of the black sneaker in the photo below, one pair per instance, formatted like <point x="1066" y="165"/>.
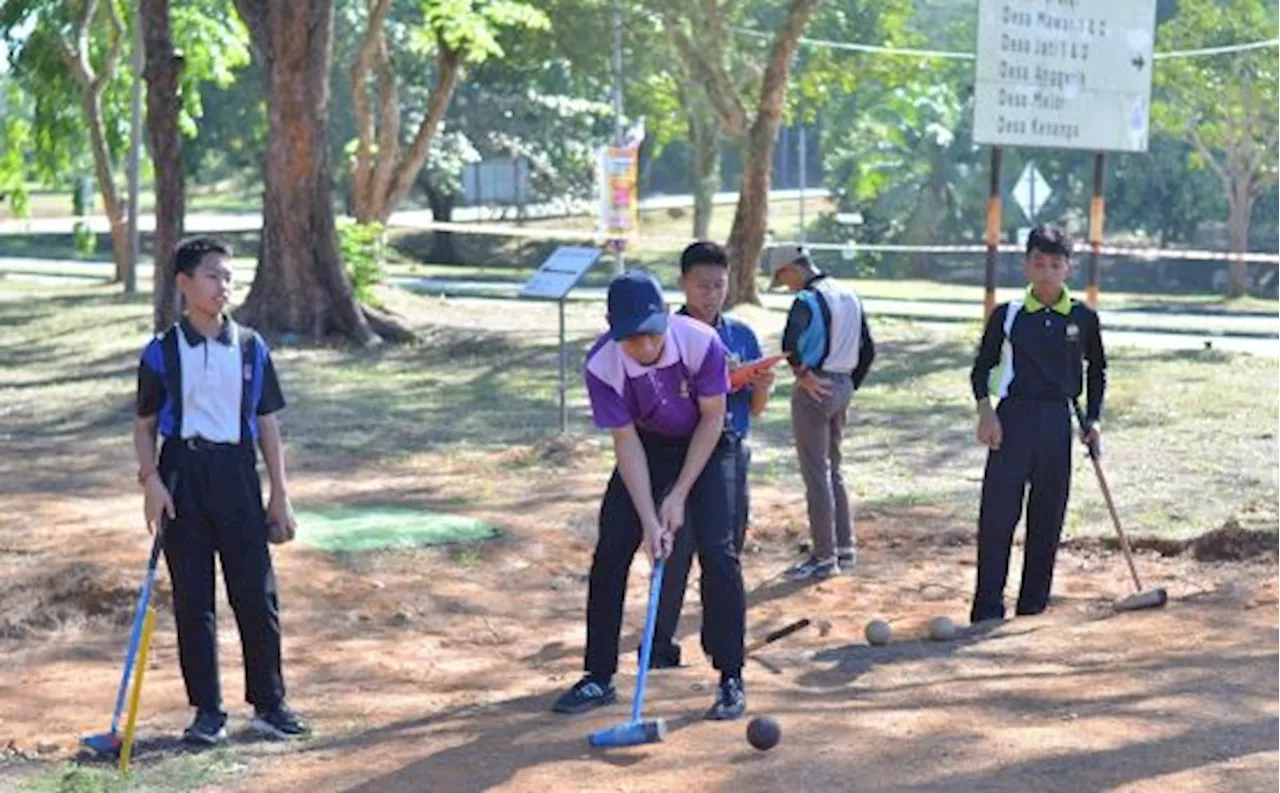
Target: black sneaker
<point x="587" y="694"/>
<point x="848" y="559"/>
<point x="209" y="728"/>
<point x="731" y="701"/>
<point x="813" y="569"/>
<point x="280" y="723"/>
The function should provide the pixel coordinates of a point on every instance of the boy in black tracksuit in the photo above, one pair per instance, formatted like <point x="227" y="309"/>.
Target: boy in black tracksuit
<point x="208" y="389"/>
<point x="1042" y="340"/>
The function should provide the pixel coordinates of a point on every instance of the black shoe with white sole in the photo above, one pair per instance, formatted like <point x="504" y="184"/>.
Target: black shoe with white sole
<point x="587" y="694"/>
<point x="813" y="569"/>
<point x="209" y="728"/>
<point x="280" y="723"/>
<point x="731" y="700"/>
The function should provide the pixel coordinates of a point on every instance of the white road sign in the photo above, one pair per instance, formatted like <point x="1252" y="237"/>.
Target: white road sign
<point x="560" y="272"/>
<point x="1031" y="192"/>
<point x="1065" y="74"/>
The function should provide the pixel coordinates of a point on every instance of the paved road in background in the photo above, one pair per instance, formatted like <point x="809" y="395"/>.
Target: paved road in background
<point x="1256" y="334"/>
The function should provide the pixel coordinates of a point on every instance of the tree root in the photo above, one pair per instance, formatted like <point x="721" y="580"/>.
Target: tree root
<point x="387" y="326"/>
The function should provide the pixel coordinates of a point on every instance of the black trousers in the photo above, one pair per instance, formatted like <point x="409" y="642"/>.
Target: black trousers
<point x="709" y="525"/>
<point x="1036" y="450"/>
<point x="676" y="578"/>
<point x="218" y="501"/>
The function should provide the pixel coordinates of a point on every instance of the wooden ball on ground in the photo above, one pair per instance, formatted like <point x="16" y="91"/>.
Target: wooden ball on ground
<point x="878" y="633"/>
<point x="764" y="732"/>
<point x="942" y="629"/>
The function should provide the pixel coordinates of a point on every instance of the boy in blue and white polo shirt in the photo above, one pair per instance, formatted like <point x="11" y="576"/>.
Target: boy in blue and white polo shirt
<point x="208" y="390"/>
<point x="704" y="277"/>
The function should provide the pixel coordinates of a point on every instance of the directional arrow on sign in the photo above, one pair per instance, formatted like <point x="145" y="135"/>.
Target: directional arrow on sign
<point x="1138" y="61"/>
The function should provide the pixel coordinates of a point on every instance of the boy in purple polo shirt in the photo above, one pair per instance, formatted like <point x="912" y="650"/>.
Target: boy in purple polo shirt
<point x="658" y="383"/>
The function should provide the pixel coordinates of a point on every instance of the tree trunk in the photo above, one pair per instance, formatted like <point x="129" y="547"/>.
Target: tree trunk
<point x="105" y="173"/>
<point x="300" y="286"/>
<point x="382" y="175"/>
<point x="442" y="242"/>
<point x="746" y="239"/>
<point x="747" y="236"/>
<point x="164" y="139"/>
<point x="1239" y="210"/>
<point x="704" y="135"/>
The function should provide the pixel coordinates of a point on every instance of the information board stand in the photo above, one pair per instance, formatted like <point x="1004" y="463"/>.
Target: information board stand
<point x="557" y="276"/>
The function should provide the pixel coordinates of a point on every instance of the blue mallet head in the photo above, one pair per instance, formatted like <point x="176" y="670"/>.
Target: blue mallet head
<point x="632" y="733"/>
<point x="104" y="744"/>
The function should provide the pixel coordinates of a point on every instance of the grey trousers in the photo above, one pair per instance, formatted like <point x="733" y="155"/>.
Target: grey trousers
<point x="818" y="427"/>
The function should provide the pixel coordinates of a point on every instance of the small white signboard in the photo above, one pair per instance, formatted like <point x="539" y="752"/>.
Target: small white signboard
<point x="1031" y="192"/>
<point x="560" y="272"/>
<point x="1064" y="74"/>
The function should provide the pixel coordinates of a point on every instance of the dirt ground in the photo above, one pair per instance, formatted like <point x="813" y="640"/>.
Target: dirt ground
<point x="442" y="682"/>
<point x="434" y="670"/>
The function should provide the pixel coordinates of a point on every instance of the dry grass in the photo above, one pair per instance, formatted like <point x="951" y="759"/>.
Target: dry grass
<point x="1191" y="436"/>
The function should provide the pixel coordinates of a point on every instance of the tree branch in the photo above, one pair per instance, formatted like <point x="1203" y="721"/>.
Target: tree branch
<point x="76" y="53"/>
<point x="774" y="85"/>
<point x="715" y="81"/>
<point x="448" y="70"/>
<point x="388" y="130"/>
<point x="117" y="41"/>
<point x="1207" y="154"/>
<point x="359" y="73"/>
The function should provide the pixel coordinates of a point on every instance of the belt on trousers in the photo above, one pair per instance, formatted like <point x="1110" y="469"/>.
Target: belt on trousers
<point x="199" y="444"/>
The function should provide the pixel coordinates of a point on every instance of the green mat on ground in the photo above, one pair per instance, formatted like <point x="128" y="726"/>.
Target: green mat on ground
<point x="386" y="528"/>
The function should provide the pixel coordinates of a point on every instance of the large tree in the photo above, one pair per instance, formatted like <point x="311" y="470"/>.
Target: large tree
<point x="1224" y="105"/>
<point x="300" y="285"/>
<point x="70" y="57"/>
<point x="701" y="34"/>
<point x="455" y="32"/>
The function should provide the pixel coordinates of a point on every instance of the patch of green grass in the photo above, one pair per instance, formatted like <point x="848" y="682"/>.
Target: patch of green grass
<point x="469" y="556"/>
<point x="183" y="772"/>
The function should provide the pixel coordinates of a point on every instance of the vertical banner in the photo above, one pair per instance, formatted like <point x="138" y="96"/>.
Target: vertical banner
<point x="619" y="202"/>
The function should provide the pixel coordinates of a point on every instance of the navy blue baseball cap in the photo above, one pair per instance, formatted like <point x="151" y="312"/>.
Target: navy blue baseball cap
<point x="636" y="305"/>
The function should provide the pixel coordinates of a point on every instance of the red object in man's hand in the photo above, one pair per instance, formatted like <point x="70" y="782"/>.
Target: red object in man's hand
<point x="738" y="377"/>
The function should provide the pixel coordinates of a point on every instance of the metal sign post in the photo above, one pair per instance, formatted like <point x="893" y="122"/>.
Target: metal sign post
<point x="557" y="276"/>
<point x="991" y="232"/>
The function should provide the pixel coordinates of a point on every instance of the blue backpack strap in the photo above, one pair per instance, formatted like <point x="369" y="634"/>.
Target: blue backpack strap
<point x="251" y="363"/>
<point x="173" y="375"/>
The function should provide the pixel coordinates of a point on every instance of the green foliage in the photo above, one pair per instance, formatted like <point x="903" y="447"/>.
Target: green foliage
<point x="897" y="135"/>
<point x="213" y="43"/>
<point x="83" y="239"/>
<point x="362" y="246"/>
<point x="1221" y="96"/>
<point x="58" y="139"/>
<point x="845" y="83"/>
<point x="15" y="141"/>
<point x="450" y="152"/>
<point x="471" y="26"/>
<point x="520" y="98"/>
<point x="1161" y="194"/>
